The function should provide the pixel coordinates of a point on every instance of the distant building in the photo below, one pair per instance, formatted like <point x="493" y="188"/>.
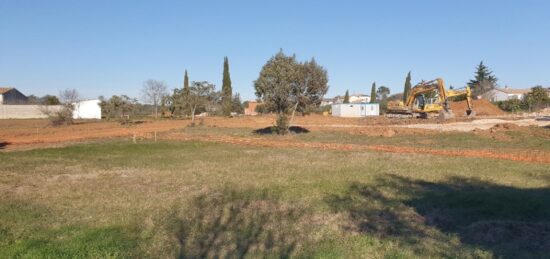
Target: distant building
<point x="355" y="110"/>
<point x="359" y="98"/>
<point x="12" y="96"/>
<point x="250" y="109"/>
<point x="89" y="109"/>
<point x="353" y="98"/>
<point x="504" y="94"/>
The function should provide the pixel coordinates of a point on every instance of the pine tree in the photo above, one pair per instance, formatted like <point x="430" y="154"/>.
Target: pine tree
<point x="407" y="87"/>
<point x="346" y="97"/>
<point x="373" y="93"/>
<point x="227" y="95"/>
<point x="484" y="80"/>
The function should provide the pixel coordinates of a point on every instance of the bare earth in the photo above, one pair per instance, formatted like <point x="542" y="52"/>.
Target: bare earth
<point x="29" y="134"/>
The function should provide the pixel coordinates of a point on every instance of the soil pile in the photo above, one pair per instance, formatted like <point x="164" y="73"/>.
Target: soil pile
<point x="482" y="107"/>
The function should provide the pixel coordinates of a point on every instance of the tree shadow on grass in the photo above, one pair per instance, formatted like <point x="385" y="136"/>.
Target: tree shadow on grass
<point x="237" y="225"/>
<point x="509" y="222"/>
<point x="273" y="130"/>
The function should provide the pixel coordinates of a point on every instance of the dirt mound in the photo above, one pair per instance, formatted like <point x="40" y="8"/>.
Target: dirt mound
<point x="504" y="126"/>
<point x="482" y="107"/>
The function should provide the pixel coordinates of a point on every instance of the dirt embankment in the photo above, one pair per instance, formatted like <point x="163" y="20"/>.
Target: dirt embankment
<point x="481" y="107"/>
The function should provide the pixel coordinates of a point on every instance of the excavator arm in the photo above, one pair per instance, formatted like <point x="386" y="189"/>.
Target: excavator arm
<point x="435" y="88"/>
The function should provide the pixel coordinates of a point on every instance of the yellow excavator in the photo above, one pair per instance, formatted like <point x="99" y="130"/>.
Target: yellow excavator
<point x="429" y="98"/>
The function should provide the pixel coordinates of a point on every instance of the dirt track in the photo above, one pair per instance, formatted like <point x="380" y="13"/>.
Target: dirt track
<point x="483" y="124"/>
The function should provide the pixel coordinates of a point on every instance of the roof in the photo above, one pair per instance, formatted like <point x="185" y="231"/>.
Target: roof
<point x="513" y="91"/>
<point x="5" y="89"/>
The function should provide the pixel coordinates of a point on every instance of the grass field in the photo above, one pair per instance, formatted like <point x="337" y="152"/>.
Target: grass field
<point x="199" y="199"/>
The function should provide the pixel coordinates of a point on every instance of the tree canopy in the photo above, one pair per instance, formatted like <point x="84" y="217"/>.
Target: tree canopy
<point x="484" y="80"/>
<point x="286" y="85"/>
<point x="383" y="92"/>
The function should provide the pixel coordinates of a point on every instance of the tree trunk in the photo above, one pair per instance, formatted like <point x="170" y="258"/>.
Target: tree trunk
<point x="193" y="114"/>
<point x="292" y="117"/>
<point x="156" y="111"/>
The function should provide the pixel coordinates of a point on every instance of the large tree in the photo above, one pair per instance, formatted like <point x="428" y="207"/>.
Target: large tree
<point x="373" y="93"/>
<point x="153" y="92"/>
<point x="227" y="94"/>
<point x="484" y="80"/>
<point x="537" y="98"/>
<point x="383" y="93"/>
<point x="199" y="96"/>
<point x="286" y="85"/>
<point x="407" y="88"/>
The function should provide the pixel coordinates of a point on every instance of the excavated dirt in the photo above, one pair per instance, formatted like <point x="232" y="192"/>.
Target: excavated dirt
<point x="481" y="107"/>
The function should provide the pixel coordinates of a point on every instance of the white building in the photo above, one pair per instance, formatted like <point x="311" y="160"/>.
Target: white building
<point x="353" y="98"/>
<point x="359" y="98"/>
<point x="89" y="109"/>
<point x="355" y="110"/>
<point x="505" y="94"/>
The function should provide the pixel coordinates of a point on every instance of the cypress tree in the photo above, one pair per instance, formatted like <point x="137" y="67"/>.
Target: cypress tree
<point x="185" y="83"/>
<point x="407" y="87"/>
<point x="373" y="93"/>
<point x="346" y="97"/>
<point x="226" y="89"/>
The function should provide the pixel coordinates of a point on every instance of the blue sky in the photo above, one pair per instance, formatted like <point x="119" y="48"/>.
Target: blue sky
<point x="111" y="47"/>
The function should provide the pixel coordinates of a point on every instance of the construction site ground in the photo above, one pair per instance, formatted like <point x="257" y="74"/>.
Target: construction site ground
<point x="509" y="138"/>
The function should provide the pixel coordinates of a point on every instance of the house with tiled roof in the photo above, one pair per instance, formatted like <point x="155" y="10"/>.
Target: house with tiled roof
<point x="10" y="95"/>
<point x="504" y="94"/>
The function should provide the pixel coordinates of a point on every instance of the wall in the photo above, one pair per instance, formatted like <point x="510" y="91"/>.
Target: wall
<point x="251" y="109"/>
<point x="25" y="111"/>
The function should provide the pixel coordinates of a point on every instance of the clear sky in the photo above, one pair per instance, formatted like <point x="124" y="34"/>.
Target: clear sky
<point x="111" y="47"/>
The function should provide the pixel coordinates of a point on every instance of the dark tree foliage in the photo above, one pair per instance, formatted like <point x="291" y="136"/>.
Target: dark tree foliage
<point x="373" y="93"/>
<point x="484" y="80"/>
<point x="407" y="88"/>
<point x="346" y="97"/>
<point x="227" y="94"/>
<point x="383" y="93"/>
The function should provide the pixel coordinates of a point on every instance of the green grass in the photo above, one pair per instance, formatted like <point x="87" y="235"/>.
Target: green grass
<point x="533" y="138"/>
<point x="193" y="199"/>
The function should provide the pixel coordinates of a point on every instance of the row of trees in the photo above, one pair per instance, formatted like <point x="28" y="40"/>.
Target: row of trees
<point x="193" y="98"/>
<point x="536" y="99"/>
